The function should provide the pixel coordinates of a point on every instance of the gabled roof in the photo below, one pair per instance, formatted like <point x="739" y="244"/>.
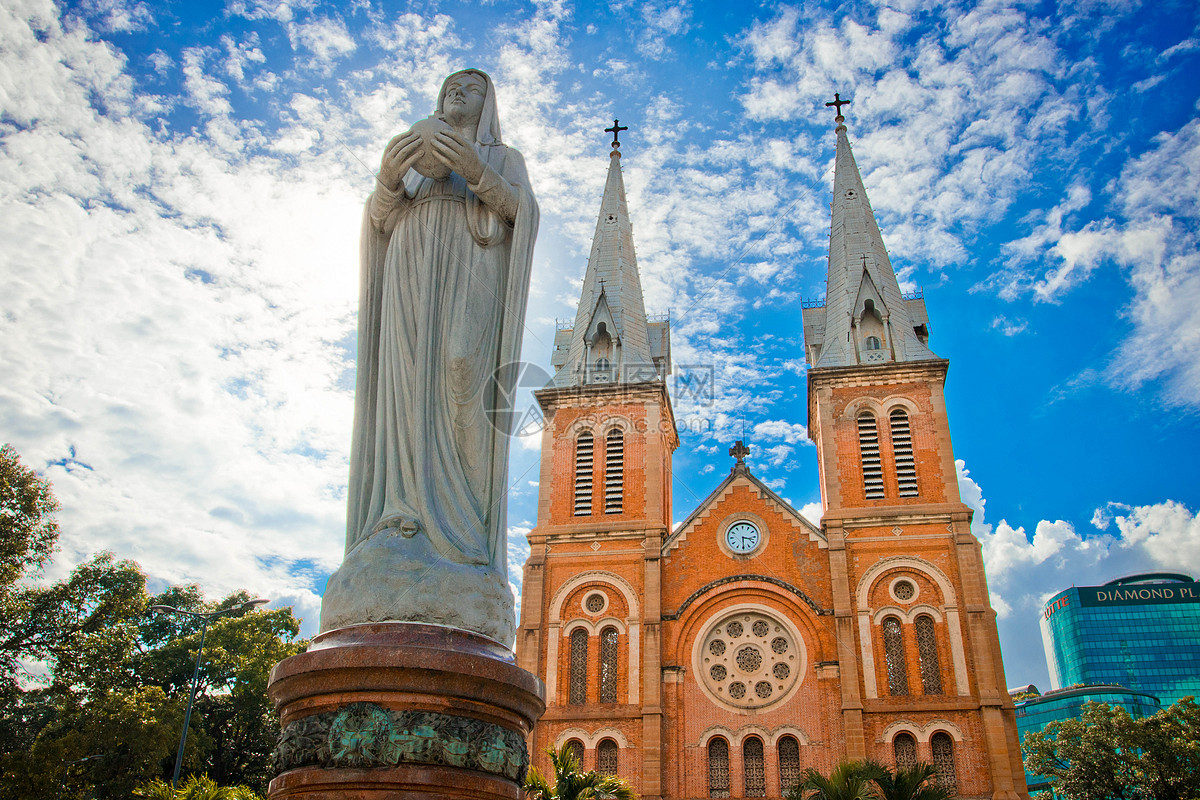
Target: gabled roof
<point x="740" y="475"/>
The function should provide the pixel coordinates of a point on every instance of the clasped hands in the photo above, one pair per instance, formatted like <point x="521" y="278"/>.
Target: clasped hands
<point x="403" y="151"/>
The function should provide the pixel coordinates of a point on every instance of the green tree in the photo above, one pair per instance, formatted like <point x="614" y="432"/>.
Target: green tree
<point x="196" y="787"/>
<point x="850" y="780"/>
<point x="1105" y="754"/>
<point x="570" y="783"/>
<point x="86" y="670"/>
<point x="918" y="782"/>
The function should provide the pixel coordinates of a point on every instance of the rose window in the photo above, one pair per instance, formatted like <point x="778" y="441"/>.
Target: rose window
<point x="595" y="603"/>
<point x="904" y="591"/>
<point x="749" y="659"/>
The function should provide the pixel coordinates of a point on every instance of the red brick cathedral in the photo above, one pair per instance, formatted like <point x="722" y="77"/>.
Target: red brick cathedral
<point x="723" y="656"/>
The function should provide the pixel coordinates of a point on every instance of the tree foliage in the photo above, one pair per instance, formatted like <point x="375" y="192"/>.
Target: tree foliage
<point x="87" y="670"/>
<point x="196" y="787"/>
<point x="1105" y="754"/>
<point x="571" y="783"/>
<point x="870" y="780"/>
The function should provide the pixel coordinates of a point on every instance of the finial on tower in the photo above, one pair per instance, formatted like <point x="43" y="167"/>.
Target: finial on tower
<point x="615" y="130"/>
<point x="837" y="103"/>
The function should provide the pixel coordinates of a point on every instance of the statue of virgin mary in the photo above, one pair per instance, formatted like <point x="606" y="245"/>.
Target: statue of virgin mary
<point x="447" y="242"/>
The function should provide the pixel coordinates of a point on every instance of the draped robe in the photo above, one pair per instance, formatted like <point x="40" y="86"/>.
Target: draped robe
<point x="444" y="282"/>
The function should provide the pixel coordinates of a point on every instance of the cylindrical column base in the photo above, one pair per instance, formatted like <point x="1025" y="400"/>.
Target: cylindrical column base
<point x="402" y="710"/>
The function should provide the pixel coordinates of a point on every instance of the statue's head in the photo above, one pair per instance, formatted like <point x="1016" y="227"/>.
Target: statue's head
<point x="467" y="97"/>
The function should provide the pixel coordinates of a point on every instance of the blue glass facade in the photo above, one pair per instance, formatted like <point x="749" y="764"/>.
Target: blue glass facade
<point x="1037" y="712"/>
<point x="1141" y="632"/>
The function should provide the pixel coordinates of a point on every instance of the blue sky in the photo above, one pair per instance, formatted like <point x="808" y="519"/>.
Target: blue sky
<point x="181" y="186"/>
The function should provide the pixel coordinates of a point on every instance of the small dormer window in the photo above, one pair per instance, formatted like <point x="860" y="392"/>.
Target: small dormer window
<point x="602" y="365"/>
<point x="873" y="343"/>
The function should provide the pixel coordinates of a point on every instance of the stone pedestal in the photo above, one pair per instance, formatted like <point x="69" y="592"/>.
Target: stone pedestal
<point x="403" y="710"/>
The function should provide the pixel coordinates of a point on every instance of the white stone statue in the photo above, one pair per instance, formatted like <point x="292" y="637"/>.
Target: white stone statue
<point x="447" y="241"/>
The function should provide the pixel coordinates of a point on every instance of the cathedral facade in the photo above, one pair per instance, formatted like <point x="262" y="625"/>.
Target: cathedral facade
<point x="723" y="656"/>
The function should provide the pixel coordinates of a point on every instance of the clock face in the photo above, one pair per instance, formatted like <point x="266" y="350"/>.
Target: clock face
<point x="742" y="537"/>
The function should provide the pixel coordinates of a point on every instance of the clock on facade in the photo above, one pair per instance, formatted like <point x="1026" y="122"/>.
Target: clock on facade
<point x="742" y="536"/>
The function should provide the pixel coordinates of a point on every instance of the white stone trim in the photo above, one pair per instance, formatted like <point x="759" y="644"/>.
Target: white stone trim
<point x="892" y="402"/>
<point x="591" y="740"/>
<point x="922" y="733"/>
<point x="588" y="595"/>
<point x="788" y="730"/>
<point x="752" y="730"/>
<point x="907" y="615"/>
<point x="716" y="730"/>
<point x="599" y="576"/>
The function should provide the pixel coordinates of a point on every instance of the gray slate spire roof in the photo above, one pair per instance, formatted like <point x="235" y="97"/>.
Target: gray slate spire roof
<point x="611" y="340"/>
<point x="865" y="319"/>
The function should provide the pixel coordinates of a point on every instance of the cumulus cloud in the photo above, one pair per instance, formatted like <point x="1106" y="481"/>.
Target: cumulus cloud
<point x="1024" y="569"/>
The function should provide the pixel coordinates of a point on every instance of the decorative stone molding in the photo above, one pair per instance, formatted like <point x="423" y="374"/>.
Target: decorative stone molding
<point x="368" y="735"/>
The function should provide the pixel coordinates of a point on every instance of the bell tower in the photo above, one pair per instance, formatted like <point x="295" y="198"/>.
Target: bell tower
<point x="590" y="608"/>
<point x="916" y="632"/>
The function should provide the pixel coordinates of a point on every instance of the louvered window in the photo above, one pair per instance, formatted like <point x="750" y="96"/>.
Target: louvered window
<point x="868" y="445"/>
<point x="718" y="767"/>
<point x="608" y="665"/>
<point x="789" y="763"/>
<point x="584" y="448"/>
<point x="575" y="747"/>
<point x="931" y="670"/>
<point x="579" y="648"/>
<point x="902" y="449"/>
<point x="943" y="759"/>
<point x="614" y="472"/>
<point x="755" y="770"/>
<point x="606" y="757"/>
<point x="905" y="748"/>
<point x="893" y="650"/>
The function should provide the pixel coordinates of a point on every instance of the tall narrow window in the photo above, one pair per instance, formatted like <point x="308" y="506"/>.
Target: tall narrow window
<point x="575" y="747"/>
<point x="905" y="748"/>
<point x="718" y="767"/>
<point x="608" y="665"/>
<point x="606" y="757"/>
<point x="789" y="763"/>
<point x="584" y="447"/>
<point x="614" y="471"/>
<point x="579" y="648"/>
<point x="893" y="650"/>
<point x="752" y="765"/>
<point x="902" y="449"/>
<point x="868" y="445"/>
<point x="931" y="670"/>
<point x="943" y="758"/>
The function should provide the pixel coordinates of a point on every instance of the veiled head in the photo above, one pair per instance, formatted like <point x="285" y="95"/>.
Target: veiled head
<point x="464" y="92"/>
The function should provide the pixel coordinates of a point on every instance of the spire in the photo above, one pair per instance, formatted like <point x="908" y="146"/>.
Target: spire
<point x="611" y="340"/>
<point x="866" y="319"/>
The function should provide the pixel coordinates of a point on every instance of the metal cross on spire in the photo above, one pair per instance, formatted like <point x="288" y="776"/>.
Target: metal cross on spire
<point x="838" y="102"/>
<point x="615" y="130"/>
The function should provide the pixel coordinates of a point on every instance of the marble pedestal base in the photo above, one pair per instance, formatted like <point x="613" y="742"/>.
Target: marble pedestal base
<point x="402" y="710"/>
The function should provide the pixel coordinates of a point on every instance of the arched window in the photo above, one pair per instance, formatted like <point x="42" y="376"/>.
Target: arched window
<point x="575" y="747"/>
<point x="931" y="670"/>
<point x="904" y="746"/>
<point x="614" y="471"/>
<point x="873" y="343"/>
<point x="608" y="665"/>
<point x="902" y="449"/>
<point x="606" y="757"/>
<point x="584" y="447"/>
<point x="602" y="365"/>
<point x="943" y="758"/>
<point x="579" y="648"/>
<point x="753" y="768"/>
<point x="789" y="763"/>
<point x="893" y="650"/>
<point x="868" y="445"/>
<point x="718" y="767"/>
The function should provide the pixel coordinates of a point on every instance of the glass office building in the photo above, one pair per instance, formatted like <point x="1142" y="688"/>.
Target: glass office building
<point x="1140" y="632"/>
<point x="1035" y="713"/>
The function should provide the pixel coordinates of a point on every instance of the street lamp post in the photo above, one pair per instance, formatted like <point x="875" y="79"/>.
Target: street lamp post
<point x="67" y="766"/>
<point x="187" y="717"/>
